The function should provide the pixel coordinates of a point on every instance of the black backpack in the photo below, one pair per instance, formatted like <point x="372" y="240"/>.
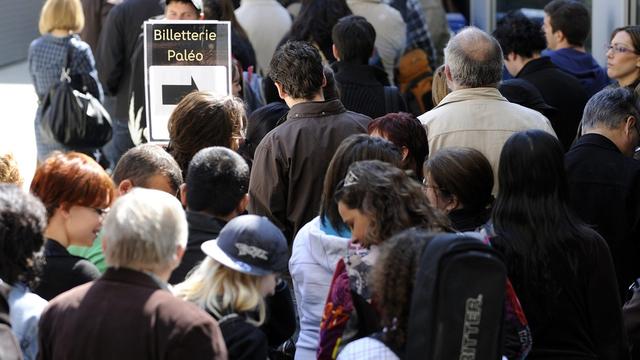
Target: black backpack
<point x="457" y="307"/>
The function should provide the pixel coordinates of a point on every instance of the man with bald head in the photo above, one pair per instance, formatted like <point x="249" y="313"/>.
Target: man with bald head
<point x="474" y="114"/>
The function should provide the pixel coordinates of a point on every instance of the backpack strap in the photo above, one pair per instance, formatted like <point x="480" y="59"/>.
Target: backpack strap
<point x="391" y="94"/>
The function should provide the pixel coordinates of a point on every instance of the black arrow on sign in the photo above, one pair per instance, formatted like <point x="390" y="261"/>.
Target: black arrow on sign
<point x="172" y="94"/>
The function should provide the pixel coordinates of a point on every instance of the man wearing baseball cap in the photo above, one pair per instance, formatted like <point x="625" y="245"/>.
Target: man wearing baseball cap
<point x="240" y="270"/>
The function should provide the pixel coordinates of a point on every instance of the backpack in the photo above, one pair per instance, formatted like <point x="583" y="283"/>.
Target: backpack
<point x="414" y="77"/>
<point x="458" y="302"/>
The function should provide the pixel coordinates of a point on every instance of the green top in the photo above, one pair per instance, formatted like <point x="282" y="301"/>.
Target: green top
<point x="93" y="253"/>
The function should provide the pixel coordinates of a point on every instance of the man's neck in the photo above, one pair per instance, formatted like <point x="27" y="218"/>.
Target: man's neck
<point x="566" y="45"/>
<point x="291" y="101"/>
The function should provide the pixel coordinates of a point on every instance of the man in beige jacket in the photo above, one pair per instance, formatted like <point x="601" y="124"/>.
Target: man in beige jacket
<point x="475" y="114"/>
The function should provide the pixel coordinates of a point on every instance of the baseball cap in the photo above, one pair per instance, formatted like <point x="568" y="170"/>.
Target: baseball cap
<point x="250" y="244"/>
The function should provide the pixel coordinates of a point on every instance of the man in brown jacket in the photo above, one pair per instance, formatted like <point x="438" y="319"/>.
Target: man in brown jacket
<point x="291" y="161"/>
<point x="129" y="312"/>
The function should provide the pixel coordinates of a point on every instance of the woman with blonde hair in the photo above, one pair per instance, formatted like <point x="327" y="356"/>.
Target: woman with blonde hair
<point x="57" y="48"/>
<point x="240" y="270"/>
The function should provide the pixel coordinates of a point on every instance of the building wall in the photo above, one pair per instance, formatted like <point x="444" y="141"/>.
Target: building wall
<point x="18" y="26"/>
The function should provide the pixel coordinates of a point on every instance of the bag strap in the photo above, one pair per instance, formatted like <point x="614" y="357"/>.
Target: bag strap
<point x="66" y="64"/>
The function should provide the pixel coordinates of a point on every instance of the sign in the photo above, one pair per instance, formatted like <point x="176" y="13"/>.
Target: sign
<point x="181" y="57"/>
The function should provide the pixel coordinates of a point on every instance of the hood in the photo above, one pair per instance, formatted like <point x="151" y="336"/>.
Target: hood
<point x="316" y="246"/>
<point x="577" y="63"/>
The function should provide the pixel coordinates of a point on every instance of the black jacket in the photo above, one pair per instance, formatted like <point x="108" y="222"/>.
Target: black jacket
<point x="246" y="341"/>
<point x="560" y="90"/>
<point x="362" y="89"/>
<point x="117" y="45"/>
<point x="604" y="190"/>
<point x="63" y="271"/>
<point x="291" y="161"/>
<point x="202" y="227"/>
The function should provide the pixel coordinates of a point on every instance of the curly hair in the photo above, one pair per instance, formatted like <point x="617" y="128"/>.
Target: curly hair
<point x="393" y="278"/>
<point x="391" y="198"/>
<point x="22" y="222"/>
<point x="518" y="34"/>
<point x="9" y="172"/>
<point x="201" y="120"/>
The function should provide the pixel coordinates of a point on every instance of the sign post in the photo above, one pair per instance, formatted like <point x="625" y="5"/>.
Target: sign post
<point x="181" y="57"/>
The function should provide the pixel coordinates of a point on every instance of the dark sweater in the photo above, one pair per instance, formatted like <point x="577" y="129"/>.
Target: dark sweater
<point x="362" y="89"/>
<point x="583" y="66"/>
<point x="202" y="227"/>
<point x="560" y="90"/>
<point x="63" y="271"/>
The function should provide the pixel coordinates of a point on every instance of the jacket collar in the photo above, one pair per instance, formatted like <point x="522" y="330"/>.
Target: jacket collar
<point x="536" y="65"/>
<point x="486" y="93"/>
<point x="314" y="109"/>
<point x="597" y="140"/>
<point x="204" y="222"/>
<point x="54" y="248"/>
<point x="132" y="277"/>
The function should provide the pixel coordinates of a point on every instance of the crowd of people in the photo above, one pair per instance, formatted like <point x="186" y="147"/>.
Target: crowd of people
<point x="298" y="225"/>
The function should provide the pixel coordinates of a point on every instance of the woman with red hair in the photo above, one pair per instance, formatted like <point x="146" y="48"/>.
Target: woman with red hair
<point x="77" y="192"/>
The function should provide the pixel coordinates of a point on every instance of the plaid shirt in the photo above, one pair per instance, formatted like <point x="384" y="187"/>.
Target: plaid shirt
<point x="417" y="32"/>
<point x="47" y="55"/>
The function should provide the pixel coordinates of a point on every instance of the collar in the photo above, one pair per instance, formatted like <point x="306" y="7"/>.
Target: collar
<point x="541" y="63"/>
<point x="360" y="74"/>
<point x="54" y="248"/>
<point x="134" y="277"/>
<point x="314" y="109"/>
<point x="486" y="93"/>
<point x="597" y="140"/>
<point x="204" y="222"/>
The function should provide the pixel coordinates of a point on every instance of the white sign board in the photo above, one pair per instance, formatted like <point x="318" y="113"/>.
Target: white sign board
<point x="182" y="57"/>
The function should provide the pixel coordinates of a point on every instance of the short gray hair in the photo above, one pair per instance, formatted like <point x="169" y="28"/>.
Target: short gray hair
<point x="474" y="58"/>
<point x="610" y="108"/>
<point x="144" y="227"/>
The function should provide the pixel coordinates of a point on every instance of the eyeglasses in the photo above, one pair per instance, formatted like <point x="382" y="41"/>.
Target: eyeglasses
<point x="619" y="49"/>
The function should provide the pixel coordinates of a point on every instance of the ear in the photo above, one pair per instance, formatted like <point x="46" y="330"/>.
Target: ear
<point x="512" y="56"/>
<point x="183" y="194"/>
<point x="177" y="257"/>
<point x="324" y="80"/>
<point x="124" y="187"/>
<point x="281" y="91"/>
<point x="335" y="52"/>
<point x="242" y="205"/>
<point x="447" y="73"/>
<point x="559" y="36"/>
<point x="201" y="17"/>
<point x="453" y="204"/>
<point x="63" y="209"/>
<point x="103" y="244"/>
<point x="405" y="153"/>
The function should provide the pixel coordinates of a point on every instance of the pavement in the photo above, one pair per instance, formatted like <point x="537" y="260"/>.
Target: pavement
<point x="18" y="104"/>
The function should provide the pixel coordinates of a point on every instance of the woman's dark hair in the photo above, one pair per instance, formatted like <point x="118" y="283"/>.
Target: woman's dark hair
<point x="404" y="130"/>
<point x="330" y="90"/>
<point x="260" y="123"/>
<point x="354" y="148"/>
<point x="463" y="172"/>
<point x="634" y="33"/>
<point x="222" y="10"/>
<point x="201" y="120"/>
<point x="315" y="22"/>
<point x="393" y="279"/>
<point x="533" y="224"/>
<point x="391" y="198"/>
<point x="23" y="219"/>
